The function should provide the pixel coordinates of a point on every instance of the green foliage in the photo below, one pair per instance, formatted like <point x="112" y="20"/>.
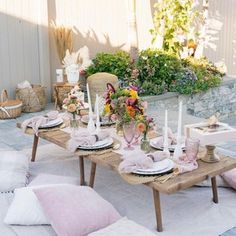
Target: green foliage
<point x="118" y="64"/>
<point x="157" y="70"/>
<point x="202" y="75"/>
<point x="173" y="20"/>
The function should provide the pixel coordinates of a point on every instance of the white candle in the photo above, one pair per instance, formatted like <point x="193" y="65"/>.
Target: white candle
<point x="89" y="101"/>
<point x="165" y="142"/>
<point x="166" y="129"/>
<point x="178" y="149"/>
<point x="179" y="121"/>
<point x="97" y="114"/>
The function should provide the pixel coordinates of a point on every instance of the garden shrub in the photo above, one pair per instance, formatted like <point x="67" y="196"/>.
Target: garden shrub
<point x="204" y="75"/>
<point x="157" y="70"/>
<point x="118" y="64"/>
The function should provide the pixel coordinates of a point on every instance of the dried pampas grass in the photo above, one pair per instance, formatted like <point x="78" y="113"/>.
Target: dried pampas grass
<point x="63" y="39"/>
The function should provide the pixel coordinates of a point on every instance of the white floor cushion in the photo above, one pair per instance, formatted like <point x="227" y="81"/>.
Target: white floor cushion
<point x="13" y="170"/>
<point x="25" y="209"/>
<point x="123" y="227"/>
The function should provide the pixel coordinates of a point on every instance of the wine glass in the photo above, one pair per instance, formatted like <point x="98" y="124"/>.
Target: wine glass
<point x="129" y="132"/>
<point x="137" y="134"/>
<point x="192" y="147"/>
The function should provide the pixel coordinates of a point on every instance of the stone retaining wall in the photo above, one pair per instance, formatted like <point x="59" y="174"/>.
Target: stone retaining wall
<point x="220" y="100"/>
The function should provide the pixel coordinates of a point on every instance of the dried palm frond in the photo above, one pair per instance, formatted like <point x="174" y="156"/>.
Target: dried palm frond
<point x="63" y="39"/>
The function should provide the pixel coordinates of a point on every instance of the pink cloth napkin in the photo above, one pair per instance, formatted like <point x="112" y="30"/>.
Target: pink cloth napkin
<point x="171" y="139"/>
<point x="37" y="121"/>
<point x="85" y="139"/>
<point x="185" y="165"/>
<point x="139" y="160"/>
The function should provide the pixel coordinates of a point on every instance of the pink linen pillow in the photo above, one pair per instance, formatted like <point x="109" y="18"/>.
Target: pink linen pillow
<point x="75" y="210"/>
<point x="230" y="177"/>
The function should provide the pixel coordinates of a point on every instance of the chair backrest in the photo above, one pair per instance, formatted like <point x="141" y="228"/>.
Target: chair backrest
<point x="98" y="84"/>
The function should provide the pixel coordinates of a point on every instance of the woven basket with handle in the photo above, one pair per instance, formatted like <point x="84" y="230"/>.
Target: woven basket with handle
<point x="9" y="109"/>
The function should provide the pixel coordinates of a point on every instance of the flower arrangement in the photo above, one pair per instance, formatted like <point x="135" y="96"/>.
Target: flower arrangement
<point x="123" y="105"/>
<point x="144" y="124"/>
<point x="74" y="101"/>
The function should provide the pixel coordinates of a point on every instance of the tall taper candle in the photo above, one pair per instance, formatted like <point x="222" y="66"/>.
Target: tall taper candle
<point x="165" y="135"/>
<point x="97" y="114"/>
<point x="179" y="121"/>
<point x="166" y="129"/>
<point x="89" y="100"/>
<point x="178" y="152"/>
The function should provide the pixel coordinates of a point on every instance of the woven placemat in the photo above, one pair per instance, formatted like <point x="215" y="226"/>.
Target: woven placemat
<point x="142" y="179"/>
<point x="113" y="160"/>
<point x="98" y="153"/>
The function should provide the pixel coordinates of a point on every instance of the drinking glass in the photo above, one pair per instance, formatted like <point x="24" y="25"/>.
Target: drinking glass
<point x="129" y="132"/>
<point x="137" y="134"/>
<point x="192" y="147"/>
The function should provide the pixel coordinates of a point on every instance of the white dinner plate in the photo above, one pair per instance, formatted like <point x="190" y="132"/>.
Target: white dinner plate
<point x="158" y="168"/>
<point x="154" y="143"/>
<point x="85" y="120"/>
<point x="99" y="144"/>
<point x="50" y="123"/>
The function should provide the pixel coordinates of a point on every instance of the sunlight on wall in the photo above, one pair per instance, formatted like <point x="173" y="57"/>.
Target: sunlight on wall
<point x="144" y="23"/>
<point x="222" y="34"/>
<point x="24" y="9"/>
<point x="98" y="23"/>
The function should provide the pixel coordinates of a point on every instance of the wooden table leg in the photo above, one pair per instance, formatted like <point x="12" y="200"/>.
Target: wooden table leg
<point x="214" y="189"/>
<point x="92" y="174"/>
<point x="156" y="197"/>
<point x="34" y="149"/>
<point x="81" y="167"/>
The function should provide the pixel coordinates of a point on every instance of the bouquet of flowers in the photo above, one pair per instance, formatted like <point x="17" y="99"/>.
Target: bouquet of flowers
<point x="123" y="105"/>
<point x="74" y="101"/>
<point x="144" y="124"/>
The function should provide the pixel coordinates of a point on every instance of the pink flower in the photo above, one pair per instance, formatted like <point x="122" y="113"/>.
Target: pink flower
<point x="133" y="87"/>
<point x="145" y="104"/>
<point x="66" y="100"/>
<point x="113" y="117"/>
<point x="131" y="101"/>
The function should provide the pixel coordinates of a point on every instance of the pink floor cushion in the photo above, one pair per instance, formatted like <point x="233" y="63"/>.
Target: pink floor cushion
<point x="75" y="210"/>
<point x="230" y="177"/>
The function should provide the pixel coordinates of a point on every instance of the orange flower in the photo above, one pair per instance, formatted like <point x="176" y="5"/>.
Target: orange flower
<point x="71" y="108"/>
<point x="130" y="111"/>
<point x="141" y="127"/>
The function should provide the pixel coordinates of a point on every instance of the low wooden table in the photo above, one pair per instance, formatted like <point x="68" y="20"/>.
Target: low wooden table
<point x="112" y="160"/>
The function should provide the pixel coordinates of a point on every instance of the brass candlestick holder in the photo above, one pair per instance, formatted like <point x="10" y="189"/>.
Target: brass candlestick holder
<point x="210" y="155"/>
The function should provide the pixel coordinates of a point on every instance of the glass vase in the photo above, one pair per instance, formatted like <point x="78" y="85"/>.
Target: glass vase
<point x="119" y="128"/>
<point x="74" y="125"/>
<point x="145" y="144"/>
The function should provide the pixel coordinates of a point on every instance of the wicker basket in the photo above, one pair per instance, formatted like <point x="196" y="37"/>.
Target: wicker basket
<point x="9" y="109"/>
<point x="33" y="99"/>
